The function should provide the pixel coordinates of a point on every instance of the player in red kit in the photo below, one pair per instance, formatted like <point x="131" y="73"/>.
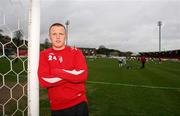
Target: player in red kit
<point x="143" y="61"/>
<point x="63" y="71"/>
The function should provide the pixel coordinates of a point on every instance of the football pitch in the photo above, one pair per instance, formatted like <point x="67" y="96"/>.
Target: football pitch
<point x="129" y="90"/>
<point x="119" y="91"/>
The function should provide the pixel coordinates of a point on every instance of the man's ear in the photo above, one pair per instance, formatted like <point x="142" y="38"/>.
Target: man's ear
<point x="49" y="37"/>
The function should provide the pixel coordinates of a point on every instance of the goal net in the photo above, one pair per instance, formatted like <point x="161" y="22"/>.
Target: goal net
<point x="14" y="58"/>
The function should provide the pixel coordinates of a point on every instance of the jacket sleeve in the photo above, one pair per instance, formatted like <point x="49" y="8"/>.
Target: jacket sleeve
<point x="46" y="79"/>
<point x="78" y="75"/>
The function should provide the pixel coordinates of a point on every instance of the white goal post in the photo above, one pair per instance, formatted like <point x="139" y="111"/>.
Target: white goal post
<point x="33" y="57"/>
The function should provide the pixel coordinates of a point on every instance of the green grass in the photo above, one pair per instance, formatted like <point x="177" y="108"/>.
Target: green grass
<point x="109" y="100"/>
<point x="126" y="91"/>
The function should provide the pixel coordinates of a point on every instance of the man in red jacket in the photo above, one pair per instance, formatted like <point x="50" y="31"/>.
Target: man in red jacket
<point x="63" y="71"/>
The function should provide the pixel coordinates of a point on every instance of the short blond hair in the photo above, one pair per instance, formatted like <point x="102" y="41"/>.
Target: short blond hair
<point x="57" y="24"/>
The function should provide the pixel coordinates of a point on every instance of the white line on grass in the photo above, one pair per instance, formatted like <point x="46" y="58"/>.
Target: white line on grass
<point x="127" y="85"/>
<point x="131" y="85"/>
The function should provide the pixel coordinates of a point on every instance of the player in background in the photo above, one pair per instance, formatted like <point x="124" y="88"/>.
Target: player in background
<point x="143" y="61"/>
<point x="63" y="71"/>
<point x="122" y="61"/>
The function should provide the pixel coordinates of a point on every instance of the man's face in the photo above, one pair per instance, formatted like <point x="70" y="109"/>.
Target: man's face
<point x="57" y="35"/>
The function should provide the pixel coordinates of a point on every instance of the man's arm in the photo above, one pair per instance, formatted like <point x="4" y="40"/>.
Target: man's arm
<point x="46" y="79"/>
<point x="78" y="75"/>
<point x="73" y="76"/>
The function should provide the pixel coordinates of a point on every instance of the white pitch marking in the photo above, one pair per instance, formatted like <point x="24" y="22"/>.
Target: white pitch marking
<point x="131" y="85"/>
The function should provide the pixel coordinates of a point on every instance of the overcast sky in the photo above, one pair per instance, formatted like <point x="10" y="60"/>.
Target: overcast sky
<point x="126" y="25"/>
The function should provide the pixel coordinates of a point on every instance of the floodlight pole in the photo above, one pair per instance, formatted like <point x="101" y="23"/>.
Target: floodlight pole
<point x="67" y="24"/>
<point x="33" y="57"/>
<point x="159" y="24"/>
<point x="4" y="19"/>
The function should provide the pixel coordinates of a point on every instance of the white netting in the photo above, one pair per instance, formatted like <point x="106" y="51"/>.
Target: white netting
<point x="13" y="59"/>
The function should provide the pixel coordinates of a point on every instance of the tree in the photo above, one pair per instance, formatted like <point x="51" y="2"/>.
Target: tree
<point x="1" y="35"/>
<point x="18" y="40"/>
<point x="1" y="31"/>
<point x="101" y="46"/>
<point x="46" y="43"/>
<point x="18" y="36"/>
<point x="103" y="50"/>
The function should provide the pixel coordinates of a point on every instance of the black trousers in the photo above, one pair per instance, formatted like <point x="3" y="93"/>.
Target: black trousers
<point x="77" y="110"/>
<point x="143" y="65"/>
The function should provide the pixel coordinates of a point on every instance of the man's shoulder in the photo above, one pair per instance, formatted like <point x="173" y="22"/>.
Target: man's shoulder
<point x="46" y="51"/>
<point x="73" y="49"/>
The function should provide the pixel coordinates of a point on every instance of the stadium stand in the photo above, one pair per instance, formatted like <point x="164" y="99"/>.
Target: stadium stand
<point x="170" y="54"/>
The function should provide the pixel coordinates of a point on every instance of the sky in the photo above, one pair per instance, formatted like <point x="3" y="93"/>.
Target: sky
<point x="125" y="25"/>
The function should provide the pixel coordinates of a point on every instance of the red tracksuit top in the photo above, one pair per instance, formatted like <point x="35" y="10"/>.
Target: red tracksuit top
<point x="143" y="59"/>
<point x="63" y="73"/>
